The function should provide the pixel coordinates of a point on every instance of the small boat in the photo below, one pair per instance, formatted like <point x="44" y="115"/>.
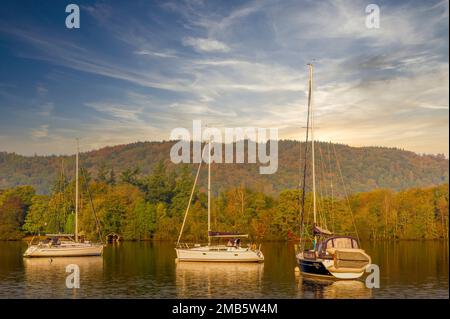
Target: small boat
<point x="65" y="245"/>
<point x="338" y="257"/>
<point x="231" y="252"/>
<point x="220" y="253"/>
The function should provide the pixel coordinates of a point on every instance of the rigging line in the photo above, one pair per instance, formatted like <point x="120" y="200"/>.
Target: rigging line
<point x="323" y="184"/>
<point x="319" y="195"/>
<point x="308" y="215"/>
<point x="299" y="185"/>
<point x="192" y="194"/>
<point x="310" y="207"/>
<point x="302" y="226"/>
<point x="324" y="176"/>
<point x="346" y="195"/>
<point x="97" y="223"/>
<point x="320" y="207"/>
<point x="331" y="186"/>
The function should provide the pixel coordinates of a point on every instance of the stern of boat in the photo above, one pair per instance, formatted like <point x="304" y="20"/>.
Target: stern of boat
<point x="348" y="263"/>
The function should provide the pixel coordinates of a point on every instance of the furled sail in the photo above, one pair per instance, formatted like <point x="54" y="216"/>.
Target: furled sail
<point x="321" y="231"/>
<point x="225" y="234"/>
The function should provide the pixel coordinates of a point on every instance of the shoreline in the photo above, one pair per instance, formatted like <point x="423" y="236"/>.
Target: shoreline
<point x="28" y="238"/>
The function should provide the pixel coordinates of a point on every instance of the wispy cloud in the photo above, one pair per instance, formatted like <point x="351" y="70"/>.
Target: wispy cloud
<point x="40" y="132"/>
<point x="60" y="52"/>
<point x="120" y="112"/>
<point x="41" y="90"/>
<point x="205" y="45"/>
<point x="156" y="54"/>
<point x="240" y="64"/>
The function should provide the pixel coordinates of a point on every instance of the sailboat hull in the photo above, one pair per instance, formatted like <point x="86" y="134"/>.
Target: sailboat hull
<point x="313" y="268"/>
<point x="331" y="268"/>
<point x="210" y="254"/>
<point x="75" y="250"/>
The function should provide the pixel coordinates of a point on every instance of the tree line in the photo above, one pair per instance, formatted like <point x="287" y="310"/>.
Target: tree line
<point x="364" y="168"/>
<point x="151" y="207"/>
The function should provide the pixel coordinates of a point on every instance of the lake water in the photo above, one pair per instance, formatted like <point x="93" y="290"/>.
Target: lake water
<point x="408" y="269"/>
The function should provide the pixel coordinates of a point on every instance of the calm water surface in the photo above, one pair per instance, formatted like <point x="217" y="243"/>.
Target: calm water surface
<point x="148" y="270"/>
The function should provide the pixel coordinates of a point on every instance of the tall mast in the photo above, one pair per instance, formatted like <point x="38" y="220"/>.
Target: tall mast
<point x="192" y="194"/>
<point x="312" y="140"/>
<point x="209" y="190"/>
<point x="76" y="194"/>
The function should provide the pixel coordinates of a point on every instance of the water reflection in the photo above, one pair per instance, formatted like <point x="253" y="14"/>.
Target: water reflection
<point x="318" y="288"/>
<point x="214" y="280"/>
<point x="46" y="277"/>
<point x="148" y="270"/>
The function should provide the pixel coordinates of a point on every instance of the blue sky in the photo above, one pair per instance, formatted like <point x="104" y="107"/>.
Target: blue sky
<point x="137" y="69"/>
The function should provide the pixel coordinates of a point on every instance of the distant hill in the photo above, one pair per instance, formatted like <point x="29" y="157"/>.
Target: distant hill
<point x="363" y="168"/>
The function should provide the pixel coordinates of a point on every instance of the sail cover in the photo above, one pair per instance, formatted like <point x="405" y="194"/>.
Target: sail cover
<point x="225" y="234"/>
<point x="321" y="231"/>
<point x="59" y="235"/>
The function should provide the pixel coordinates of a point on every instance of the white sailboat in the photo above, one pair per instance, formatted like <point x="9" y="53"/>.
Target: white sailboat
<point x="232" y="252"/>
<point x="338" y="257"/>
<point x="66" y="245"/>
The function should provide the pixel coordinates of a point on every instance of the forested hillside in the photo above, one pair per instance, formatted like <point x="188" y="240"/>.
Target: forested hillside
<point x="363" y="168"/>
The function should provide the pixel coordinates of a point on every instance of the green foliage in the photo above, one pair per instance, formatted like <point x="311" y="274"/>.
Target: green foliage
<point x="160" y="184"/>
<point x="69" y="227"/>
<point x="144" y="207"/>
<point x="36" y="219"/>
<point x="140" y="221"/>
<point x="287" y="218"/>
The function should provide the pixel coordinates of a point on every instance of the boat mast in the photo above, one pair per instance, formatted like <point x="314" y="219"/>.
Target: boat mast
<point x="190" y="197"/>
<point x="312" y="140"/>
<point x="76" y="193"/>
<point x="209" y="191"/>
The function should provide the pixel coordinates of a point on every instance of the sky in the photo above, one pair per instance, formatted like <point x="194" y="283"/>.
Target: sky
<point x="135" y="70"/>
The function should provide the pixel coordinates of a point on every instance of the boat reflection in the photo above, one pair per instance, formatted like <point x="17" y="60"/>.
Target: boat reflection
<point x="312" y="287"/>
<point x="210" y="280"/>
<point x="46" y="277"/>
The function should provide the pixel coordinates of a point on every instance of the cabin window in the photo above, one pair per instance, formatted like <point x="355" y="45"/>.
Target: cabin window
<point x="343" y="242"/>
<point x="330" y="244"/>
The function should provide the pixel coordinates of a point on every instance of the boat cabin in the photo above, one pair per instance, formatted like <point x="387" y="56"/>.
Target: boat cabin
<point x="336" y="242"/>
<point x="326" y="247"/>
<point x="56" y="239"/>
